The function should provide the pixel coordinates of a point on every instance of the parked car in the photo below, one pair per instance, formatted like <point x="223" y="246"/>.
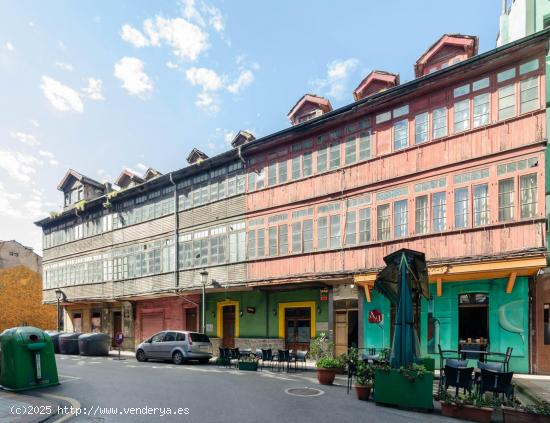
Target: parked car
<point x="178" y="346"/>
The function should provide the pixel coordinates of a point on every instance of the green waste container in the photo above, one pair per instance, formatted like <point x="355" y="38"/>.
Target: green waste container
<point x="27" y="359"/>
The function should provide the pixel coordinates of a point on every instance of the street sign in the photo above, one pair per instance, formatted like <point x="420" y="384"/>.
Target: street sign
<point x="119" y="338"/>
<point x="375" y="316"/>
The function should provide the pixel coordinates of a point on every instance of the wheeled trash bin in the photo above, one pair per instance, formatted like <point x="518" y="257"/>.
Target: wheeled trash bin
<point x="55" y="339"/>
<point x="94" y="344"/>
<point x="27" y="359"/>
<point x="68" y="343"/>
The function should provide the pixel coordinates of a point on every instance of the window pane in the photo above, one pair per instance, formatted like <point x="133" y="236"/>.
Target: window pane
<point x="251" y="244"/>
<point x="439" y="122"/>
<point x="463" y="90"/>
<point x="421" y="215"/>
<point x="273" y="241"/>
<point x="364" y="225"/>
<point x="335" y="231"/>
<point x="481" y="205"/>
<point x="308" y="235"/>
<point x="365" y="145"/>
<point x="351" y="150"/>
<point x="261" y="242"/>
<point x="506" y="200"/>
<point x="481" y="84"/>
<point x="400" y="134"/>
<point x="322" y="154"/>
<point x="506" y="102"/>
<point x="400" y="219"/>
<point x="462" y="115"/>
<point x="322" y="233"/>
<point x="260" y="178"/>
<point x="462" y="208"/>
<point x="283" y="239"/>
<point x="529" y="66"/>
<point x="272" y="174"/>
<point x="351" y="228"/>
<point x="439" y="211"/>
<point x="481" y="110"/>
<point x="296" y="167"/>
<point x="297" y="237"/>
<point x="334" y="155"/>
<point x="528" y="198"/>
<point x="505" y="75"/>
<point x="307" y="164"/>
<point x="421" y="128"/>
<point x="529" y="94"/>
<point x="383" y="222"/>
<point x="282" y="171"/>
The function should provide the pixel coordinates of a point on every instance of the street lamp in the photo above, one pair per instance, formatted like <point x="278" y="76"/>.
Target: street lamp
<point x="60" y="295"/>
<point x="204" y="279"/>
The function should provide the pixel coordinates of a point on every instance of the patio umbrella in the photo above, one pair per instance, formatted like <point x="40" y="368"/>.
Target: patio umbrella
<point x="404" y="275"/>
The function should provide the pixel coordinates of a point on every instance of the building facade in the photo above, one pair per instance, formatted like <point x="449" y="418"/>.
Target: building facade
<point x="13" y="253"/>
<point x="286" y="233"/>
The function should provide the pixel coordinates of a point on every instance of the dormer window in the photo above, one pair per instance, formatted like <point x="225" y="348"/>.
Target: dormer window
<point x="308" y="107"/>
<point x="448" y="50"/>
<point x="375" y="82"/>
<point x="74" y="196"/>
<point x="77" y="187"/>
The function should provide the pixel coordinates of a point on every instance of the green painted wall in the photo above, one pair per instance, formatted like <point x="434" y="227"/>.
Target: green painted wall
<point x="508" y="319"/>
<point x="262" y="324"/>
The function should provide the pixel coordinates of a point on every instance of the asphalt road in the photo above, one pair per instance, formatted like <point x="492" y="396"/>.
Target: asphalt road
<point x="209" y="393"/>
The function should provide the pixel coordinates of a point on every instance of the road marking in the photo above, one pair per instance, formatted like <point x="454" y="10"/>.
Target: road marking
<point x="74" y="403"/>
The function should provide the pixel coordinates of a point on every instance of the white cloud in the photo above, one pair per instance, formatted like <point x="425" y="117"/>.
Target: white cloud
<point x="215" y="19"/>
<point x="93" y="90"/>
<point x="64" y="66"/>
<point x="191" y="13"/>
<point x="25" y="138"/>
<point x="61" y="45"/>
<point x="208" y="102"/>
<point x="9" y="46"/>
<point x="19" y="166"/>
<point x="208" y="79"/>
<point x="141" y="167"/>
<point x="35" y="123"/>
<point x="229" y="136"/>
<point x="171" y="65"/>
<point x="61" y="96"/>
<point x="244" y="79"/>
<point x="49" y="156"/>
<point x="7" y="200"/>
<point x="134" y="80"/>
<point x="31" y="24"/>
<point x="335" y="83"/>
<point x="133" y="36"/>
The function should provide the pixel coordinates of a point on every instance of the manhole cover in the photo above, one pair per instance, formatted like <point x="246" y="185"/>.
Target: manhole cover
<point x="304" y="392"/>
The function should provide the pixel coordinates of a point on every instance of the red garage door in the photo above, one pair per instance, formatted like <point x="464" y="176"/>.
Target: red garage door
<point x="151" y="323"/>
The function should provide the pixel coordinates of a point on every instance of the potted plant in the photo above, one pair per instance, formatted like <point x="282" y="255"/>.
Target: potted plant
<point x="249" y="363"/>
<point x="473" y="407"/>
<point x="326" y="369"/>
<point x="364" y="377"/>
<point x="515" y="412"/>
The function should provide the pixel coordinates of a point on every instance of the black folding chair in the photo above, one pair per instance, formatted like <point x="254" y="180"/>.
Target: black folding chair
<point x="267" y="355"/>
<point x="445" y="355"/>
<point x="284" y="357"/>
<point x="301" y="357"/>
<point x="224" y="358"/>
<point x="497" y="383"/>
<point x="458" y="377"/>
<point x="234" y="356"/>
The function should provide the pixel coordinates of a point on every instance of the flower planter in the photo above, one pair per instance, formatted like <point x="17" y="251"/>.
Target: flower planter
<point x="467" y="412"/>
<point x="511" y="415"/>
<point x="392" y="388"/>
<point x="363" y="392"/>
<point x="251" y="366"/>
<point x="326" y="376"/>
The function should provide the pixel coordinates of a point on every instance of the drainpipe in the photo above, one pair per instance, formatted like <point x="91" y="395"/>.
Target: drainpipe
<point x="176" y="243"/>
<point x="240" y="154"/>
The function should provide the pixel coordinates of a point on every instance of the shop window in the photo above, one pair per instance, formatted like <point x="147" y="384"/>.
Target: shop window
<point x="96" y="321"/>
<point x="473" y="318"/>
<point x="546" y="324"/>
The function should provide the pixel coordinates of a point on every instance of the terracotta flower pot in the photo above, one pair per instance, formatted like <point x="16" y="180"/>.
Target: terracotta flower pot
<point x="467" y="412"/>
<point x="326" y="376"/>
<point x="511" y="415"/>
<point x="363" y="392"/>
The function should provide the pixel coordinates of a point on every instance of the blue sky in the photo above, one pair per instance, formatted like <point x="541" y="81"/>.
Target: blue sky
<point x="103" y="85"/>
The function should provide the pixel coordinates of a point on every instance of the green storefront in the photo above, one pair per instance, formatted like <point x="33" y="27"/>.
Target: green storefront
<point x="266" y="318"/>
<point x="489" y="314"/>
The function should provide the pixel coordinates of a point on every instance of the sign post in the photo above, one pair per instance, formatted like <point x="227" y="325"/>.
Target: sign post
<point x="119" y="339"/>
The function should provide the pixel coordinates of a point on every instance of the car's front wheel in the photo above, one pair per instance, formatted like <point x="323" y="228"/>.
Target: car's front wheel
<point x="140" y="355"/>
<point x="177" y="357"/>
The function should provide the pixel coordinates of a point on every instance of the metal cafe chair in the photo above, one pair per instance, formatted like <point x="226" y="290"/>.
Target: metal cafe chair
<point x="301" y="357"/>
<point x="267" y="355"/>
<point x="497" y="383"/>
<point x="458" y="377"/>
<point x="234" y="356"/>
<point x="503" y="358"/>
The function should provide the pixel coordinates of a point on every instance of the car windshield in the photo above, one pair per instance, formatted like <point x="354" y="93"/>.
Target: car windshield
<point x="199" y="337"/>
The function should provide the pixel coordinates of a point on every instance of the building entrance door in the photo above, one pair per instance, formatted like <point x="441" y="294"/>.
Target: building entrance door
<point x="297" y="328"/>
<point x="346" y="334"/>
<point x="341" y="333"/>
<point x="191" y="319"/>
<point x="228" y="335"/>
<point x="117" y="325"/>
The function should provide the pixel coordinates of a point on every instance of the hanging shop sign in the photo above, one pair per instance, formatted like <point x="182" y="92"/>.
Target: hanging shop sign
<point x="375" y="316"/>
<point x="324" y="294"/>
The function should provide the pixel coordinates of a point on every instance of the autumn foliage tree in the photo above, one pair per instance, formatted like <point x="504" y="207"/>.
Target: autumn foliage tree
<point x="21" y="300"/>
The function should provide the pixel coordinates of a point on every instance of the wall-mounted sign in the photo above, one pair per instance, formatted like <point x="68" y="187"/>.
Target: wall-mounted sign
<point x="324" y="294"/>
<point x="251" y="310"/>
<point x="375" y="316"/>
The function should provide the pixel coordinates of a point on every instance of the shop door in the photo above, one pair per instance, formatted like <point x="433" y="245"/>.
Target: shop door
<point x="117" y="325"/>
<point x="228" y="335"/>
<point x="77" y="322"/>
<point x="297" y="328"/>
<point x="190" y="319"/>
<point x="151" y="323"/>
<point x="341" y="333"/>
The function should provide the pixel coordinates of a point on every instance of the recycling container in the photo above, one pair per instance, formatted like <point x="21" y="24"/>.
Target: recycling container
<point x="55" y="339"/>
<point x="27" y="359"/>
<point x="94" y="344"/>
<point x="68" y="343"/>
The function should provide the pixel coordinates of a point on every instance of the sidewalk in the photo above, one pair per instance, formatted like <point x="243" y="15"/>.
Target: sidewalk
<point x="534" y="387"/>
<point x="14" y="408"/>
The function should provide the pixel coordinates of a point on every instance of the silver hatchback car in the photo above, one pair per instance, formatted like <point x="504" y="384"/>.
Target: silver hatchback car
<point x="178" y="346"/>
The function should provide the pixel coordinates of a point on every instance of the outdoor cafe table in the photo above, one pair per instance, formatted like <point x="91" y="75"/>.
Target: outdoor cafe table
<point x="481" y="353"/>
